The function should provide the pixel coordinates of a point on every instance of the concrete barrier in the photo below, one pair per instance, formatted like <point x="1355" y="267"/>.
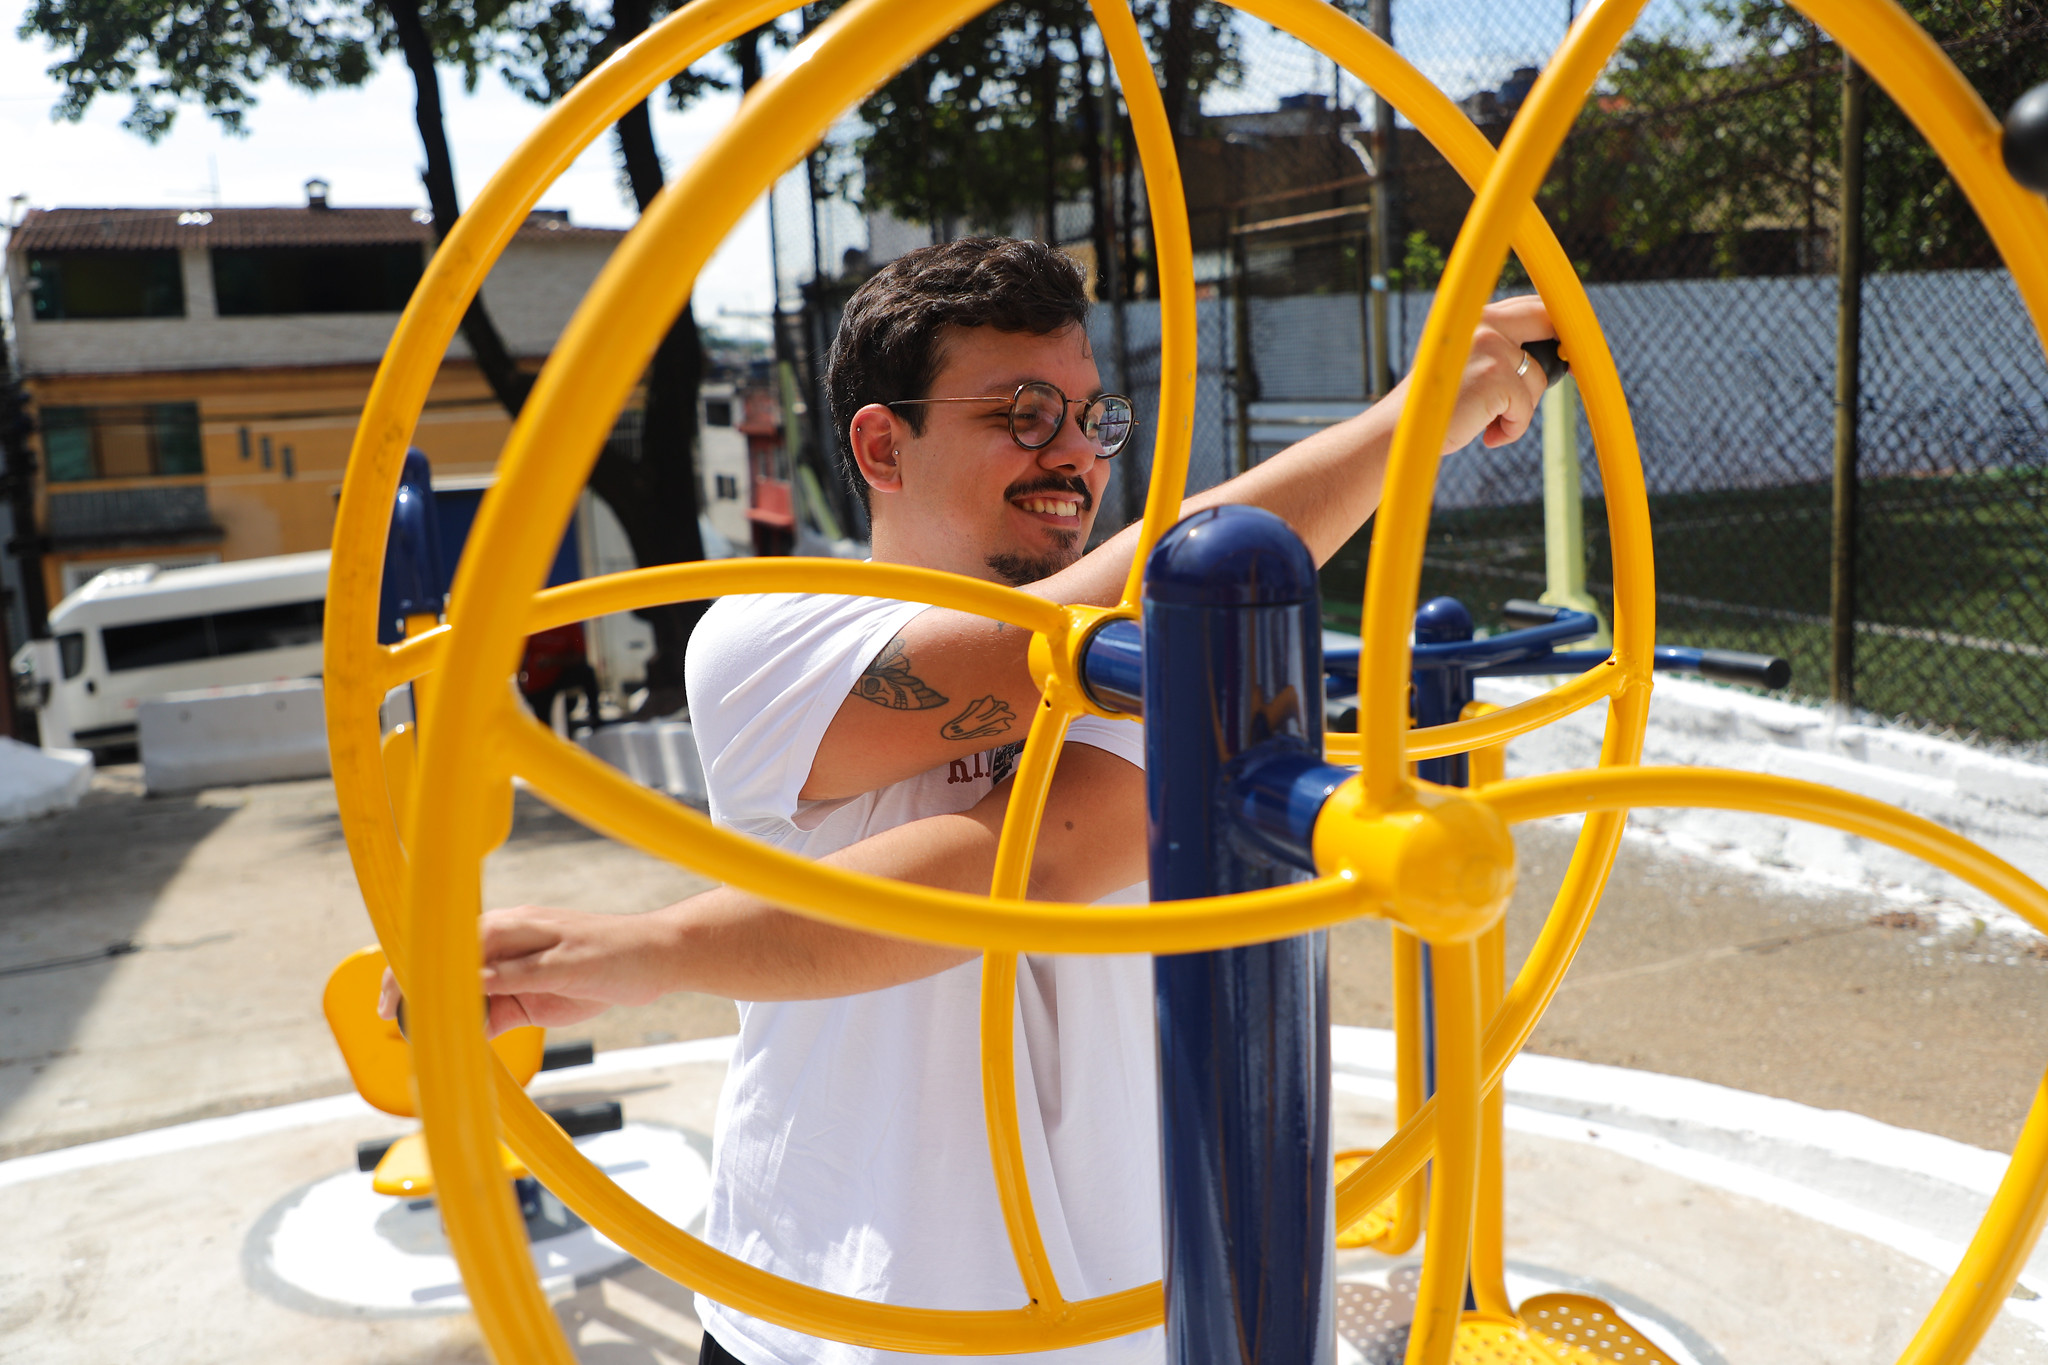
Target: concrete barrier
<point x="228" y="736"/>
<point x="659" y="754"/>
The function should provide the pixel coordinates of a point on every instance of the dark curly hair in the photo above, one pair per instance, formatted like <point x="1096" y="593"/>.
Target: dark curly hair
<point x="887" y="349"/>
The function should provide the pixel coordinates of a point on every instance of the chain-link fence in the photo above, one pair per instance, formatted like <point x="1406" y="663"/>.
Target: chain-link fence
<point x="1700" y="195"/>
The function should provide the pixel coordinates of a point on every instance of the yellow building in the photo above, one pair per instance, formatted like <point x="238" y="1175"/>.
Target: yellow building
<point x="197" y="375"/>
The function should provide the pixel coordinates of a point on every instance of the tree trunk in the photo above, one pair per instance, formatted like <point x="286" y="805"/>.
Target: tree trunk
<point x="509" y="384"/>
<point x="1049" y="128"/>
<point x="653" y="491"/>
<point x="1095" y="150"/>
<point x="1177" y="77"/>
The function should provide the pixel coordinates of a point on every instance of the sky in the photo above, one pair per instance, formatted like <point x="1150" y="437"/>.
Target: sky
<point x="362" y="142"/>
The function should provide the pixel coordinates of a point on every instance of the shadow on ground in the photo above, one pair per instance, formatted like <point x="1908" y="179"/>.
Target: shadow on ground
<point x="80" y="886"/>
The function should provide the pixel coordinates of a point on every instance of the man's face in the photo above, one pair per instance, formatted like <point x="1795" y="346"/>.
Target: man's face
<point x="973" y="500"/>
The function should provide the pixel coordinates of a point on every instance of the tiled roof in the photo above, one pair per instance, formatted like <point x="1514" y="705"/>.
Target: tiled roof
<point x="158" y="229"/>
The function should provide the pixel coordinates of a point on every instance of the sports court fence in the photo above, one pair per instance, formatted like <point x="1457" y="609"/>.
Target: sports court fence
<point x="1702" y="198"/>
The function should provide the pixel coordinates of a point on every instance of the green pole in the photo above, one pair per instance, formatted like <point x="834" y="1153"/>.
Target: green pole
<point x="1564" y="511"/>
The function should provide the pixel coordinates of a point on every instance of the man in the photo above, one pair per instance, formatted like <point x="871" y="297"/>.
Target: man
<point x="850" y="1151"/>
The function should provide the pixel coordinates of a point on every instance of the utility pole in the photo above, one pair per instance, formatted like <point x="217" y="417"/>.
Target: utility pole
<point x="17" y="479"/>
<point x="1131" y="488"/>
<point x="1848" y="393"/>
<point x="1382" y="253"/>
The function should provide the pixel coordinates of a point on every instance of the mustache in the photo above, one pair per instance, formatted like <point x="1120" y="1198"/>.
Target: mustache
<point x="1053" y="483"/>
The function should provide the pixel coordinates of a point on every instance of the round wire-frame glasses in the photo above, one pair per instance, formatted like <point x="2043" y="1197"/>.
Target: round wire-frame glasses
<point x="1038" y="410"/>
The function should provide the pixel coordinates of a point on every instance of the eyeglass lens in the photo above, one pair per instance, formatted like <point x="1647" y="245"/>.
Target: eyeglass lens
<point x="1038" y="410"/>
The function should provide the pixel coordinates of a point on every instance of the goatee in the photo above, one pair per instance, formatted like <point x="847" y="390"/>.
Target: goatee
<point x="1018" y="570"/>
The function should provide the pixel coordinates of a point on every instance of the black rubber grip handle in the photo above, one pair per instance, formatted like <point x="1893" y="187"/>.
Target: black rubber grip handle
<point x="558" y="1055"/>
<point x="1547" y="354"/>
<point x="1751" y="670"/>
<point x="1521" y="613"/>
<point x="581" y="1120"/>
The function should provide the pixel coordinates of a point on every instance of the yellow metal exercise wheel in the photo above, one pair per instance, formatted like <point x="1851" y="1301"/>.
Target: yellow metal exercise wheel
<point x="474" y="738"/>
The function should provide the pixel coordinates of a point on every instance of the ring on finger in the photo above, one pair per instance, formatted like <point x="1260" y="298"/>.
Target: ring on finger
<point x="1522" y="368"/>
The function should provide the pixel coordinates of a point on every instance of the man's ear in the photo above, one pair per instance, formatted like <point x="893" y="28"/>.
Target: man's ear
<point x="876" y="435"/>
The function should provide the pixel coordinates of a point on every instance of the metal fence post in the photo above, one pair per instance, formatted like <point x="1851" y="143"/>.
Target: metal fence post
<point x="1241" y="345"/>
<point x="1233" y="664"/>
<point x="1848" y="394"/>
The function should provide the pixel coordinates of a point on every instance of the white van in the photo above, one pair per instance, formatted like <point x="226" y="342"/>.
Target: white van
<point x="136" y="633"/>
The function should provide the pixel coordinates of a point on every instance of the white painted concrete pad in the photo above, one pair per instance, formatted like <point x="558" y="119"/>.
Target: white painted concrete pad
<point x="1733" y="1229"/>
<point x="344" y="1245"/>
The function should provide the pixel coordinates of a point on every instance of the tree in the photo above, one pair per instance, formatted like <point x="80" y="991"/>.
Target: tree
<point x="1725" y="125"/>
<point x="1002" y="121"/>
<point x="162" y="55"/>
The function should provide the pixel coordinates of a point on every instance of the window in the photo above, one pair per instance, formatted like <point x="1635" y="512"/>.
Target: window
<point x="152" y="644"/>
<point x="718" y="412"/>
<point x="121" y="442"/>
<point x="261" y="628"/>
<point x="106" y="284"/>
<point x="268" y="281"/>
<point x="728" y="487"/>
<point x="71" y="654"/>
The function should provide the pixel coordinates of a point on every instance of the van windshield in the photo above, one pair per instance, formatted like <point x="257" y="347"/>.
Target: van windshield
<point x="153" y="644"/>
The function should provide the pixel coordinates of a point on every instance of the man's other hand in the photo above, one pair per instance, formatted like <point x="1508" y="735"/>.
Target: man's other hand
<point x="552" y="968"/>
<point x="1494" y="402"/>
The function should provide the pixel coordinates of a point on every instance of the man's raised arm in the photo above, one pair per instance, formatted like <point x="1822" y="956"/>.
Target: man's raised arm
<point x="950" y="684"/>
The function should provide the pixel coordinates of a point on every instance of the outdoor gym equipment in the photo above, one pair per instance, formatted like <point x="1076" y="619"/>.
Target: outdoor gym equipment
<point x="1435" y="861"/>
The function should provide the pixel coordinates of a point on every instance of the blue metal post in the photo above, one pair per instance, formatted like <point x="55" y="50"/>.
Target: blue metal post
<point x="412" y="555"/>
<point x="1232" y="655"/>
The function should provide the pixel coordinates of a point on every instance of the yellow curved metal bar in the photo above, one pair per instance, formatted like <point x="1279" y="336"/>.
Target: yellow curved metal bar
<point x="1522" y="799"/>
<point x="1635" y="601"/>
<point x="1502" y="203"/>
<point x="1498" y="725"/>
<point x="601" y="353"/>
<point x="1328" y="30"/>
<point x="1610" y="790"/>
<point x="1951" y="115"/>
<point x="1564" y="930"/>
<point x="1011" y="880"/>
<point x="637" y="588"/>
<point x="1454" y="1177"/>
<point x="1489" y="1237"/>
<point x="1411" y="1083"/>
<point x="398" y="394"/>
<point x="614" y="804"/>
<point x="1174" y="258"/>
<point x="1997" y="1253"/>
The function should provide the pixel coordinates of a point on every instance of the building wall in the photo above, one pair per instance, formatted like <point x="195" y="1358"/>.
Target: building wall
<point x="305" y="416"/>
<point x="531" y="292"/>
<point x="279" y="399"/>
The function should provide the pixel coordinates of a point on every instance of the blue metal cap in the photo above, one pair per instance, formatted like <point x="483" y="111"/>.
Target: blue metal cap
<point x="412" y="556"/>
<point x="1232" y="556"/>
<point x="1441" y="620"/>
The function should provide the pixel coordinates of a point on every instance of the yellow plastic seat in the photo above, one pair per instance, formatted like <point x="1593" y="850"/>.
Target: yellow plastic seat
<point x="379" y="1061"/>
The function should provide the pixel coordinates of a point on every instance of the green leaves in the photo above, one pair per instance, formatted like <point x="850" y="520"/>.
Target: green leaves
<point x="162" y="54"/>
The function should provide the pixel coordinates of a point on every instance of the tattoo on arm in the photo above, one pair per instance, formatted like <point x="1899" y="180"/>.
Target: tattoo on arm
<point x="888" y="681"/>
<point x="983" y="718"/>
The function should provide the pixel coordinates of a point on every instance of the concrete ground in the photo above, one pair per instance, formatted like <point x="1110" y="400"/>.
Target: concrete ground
<point x="161" y="961"/>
